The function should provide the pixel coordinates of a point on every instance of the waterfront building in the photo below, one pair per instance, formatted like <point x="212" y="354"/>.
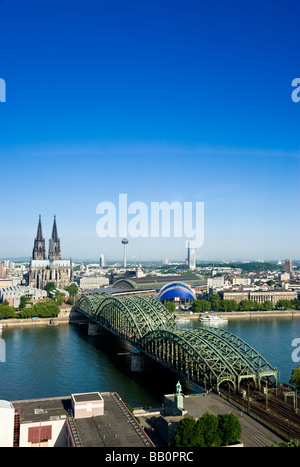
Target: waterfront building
<point x="237" y="295"/>
<point x="177" y="292"/>
<point x="259" y="296"/>
<point x="54" y="269"/>
<point x="13" y="294"/>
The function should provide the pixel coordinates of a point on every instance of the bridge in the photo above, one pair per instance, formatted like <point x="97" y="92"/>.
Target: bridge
<point x="207" y="354"/>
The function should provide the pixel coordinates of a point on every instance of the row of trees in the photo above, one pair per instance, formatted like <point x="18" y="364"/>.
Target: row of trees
<point x="215" y="303"/>
<point x="44" y="309"/>
<point x="208" y="431"/>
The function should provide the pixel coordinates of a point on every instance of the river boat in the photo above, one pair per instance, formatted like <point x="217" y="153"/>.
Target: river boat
<point x="212" y="319"/>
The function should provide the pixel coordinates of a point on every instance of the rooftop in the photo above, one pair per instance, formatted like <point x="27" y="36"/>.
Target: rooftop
<point x="116" y="428"/>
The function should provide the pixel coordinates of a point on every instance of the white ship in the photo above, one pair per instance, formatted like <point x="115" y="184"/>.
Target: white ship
<point x="212" y="319"/>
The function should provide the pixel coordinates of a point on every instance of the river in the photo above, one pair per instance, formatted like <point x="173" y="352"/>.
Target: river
<point x="53" y="361"/>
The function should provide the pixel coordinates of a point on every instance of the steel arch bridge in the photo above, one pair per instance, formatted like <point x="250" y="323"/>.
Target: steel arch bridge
<point x="204" y="354"/>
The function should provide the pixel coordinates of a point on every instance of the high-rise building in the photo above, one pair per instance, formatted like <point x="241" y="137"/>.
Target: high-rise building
<point x="102" y="260"/>
<point x="288" y="266"/>
<point x="191" y="256"/>
<point x="2" y="270"/>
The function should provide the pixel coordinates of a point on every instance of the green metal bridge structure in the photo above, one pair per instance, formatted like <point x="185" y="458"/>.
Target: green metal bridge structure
<point x="205" y="354"/>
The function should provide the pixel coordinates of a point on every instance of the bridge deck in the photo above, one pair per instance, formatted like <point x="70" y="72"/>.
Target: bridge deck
<point x="205" y="354"/>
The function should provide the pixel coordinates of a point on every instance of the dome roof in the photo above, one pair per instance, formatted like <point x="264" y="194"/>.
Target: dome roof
<point x="176" y="289"/>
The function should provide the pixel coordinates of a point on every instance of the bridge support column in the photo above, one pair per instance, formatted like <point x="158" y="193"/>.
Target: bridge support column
<point x="137" y="362"/>
<point x="94" y="329"/>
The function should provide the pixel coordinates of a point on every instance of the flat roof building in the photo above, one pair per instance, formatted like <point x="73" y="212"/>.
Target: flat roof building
<point x="80" y="420"/>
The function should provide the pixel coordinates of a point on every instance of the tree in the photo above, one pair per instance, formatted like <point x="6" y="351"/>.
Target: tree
<point x="49" y="287"/>
<point x="7" y="311"/>
<point x="170" y="306"/>
<point x="199" y="306"/>
<point x="59" y="297"/>
<point x="285" y="444"/>
<point x="207" y="431"/>
<point x="244" y="305"/>
<point x="215" y="301"/>
<point x="283" y="304"/>
<point x="47" y="309"/>
<point x="267" y="305"/>
<point x="208" y="424"/>
<point x="72" y="289"/>
<point x="229" y="428"/>
<point x="295" y="378"/>
<point x="229" y="305"/>
<point x="270" y="283"/>
<point x="186" y="433"/>
<point x="23" y="301"/>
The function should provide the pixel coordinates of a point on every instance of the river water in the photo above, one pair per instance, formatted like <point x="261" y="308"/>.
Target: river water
<point x="53" y="361"/>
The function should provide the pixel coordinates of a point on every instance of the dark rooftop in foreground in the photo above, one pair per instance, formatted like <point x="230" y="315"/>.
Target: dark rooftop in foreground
<point x="117" y="427"/>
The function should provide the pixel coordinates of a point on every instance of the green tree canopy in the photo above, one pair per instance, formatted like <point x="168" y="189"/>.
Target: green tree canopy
<point x="229" y="429"/>
<point x="170" y="306"/>
<point x="72" y="289"/>
<point x="295" y="378"/>
<point x="23" y="301"/>
<point x="208" y="431"/>
<point x="49" y="287"/>
<point x="186" y="433"/>
<point x="199" y="306"/>
<point x="215" y="301"/>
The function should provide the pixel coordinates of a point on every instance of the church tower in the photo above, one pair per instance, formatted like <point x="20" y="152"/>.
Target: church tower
<point x="54" y="244"/>
<point x="39" y="249"/>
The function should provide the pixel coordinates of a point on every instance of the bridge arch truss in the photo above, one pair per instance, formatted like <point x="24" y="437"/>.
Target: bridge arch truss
<point x="204" y="354"/>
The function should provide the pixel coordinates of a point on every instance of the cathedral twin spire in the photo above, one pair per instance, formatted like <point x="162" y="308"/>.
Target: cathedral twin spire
<point x="39" y="249"/>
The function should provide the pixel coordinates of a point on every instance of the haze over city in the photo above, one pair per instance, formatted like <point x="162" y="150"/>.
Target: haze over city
<point x="164" y="102"/>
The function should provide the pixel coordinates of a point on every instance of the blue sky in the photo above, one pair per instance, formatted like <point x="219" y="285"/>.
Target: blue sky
<point x="161" y="100"/>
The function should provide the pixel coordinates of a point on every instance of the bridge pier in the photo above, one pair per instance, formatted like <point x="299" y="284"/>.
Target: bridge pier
<point x="137" y="362"/>
<point x="94" y="329"/>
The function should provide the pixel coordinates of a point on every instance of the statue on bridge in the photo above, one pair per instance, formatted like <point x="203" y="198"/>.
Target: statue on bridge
<point x="178" y="399"/>
<point x="178" y="388"/>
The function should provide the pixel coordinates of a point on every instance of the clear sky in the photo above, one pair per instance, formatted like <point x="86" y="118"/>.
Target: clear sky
<point x="164" y="100"/>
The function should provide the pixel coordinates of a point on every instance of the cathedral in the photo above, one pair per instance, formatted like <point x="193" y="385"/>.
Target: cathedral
<point x="54" y="269"/>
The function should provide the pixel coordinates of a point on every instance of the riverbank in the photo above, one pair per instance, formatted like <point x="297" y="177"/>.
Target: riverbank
<point x="242" y="314"/>
<point x="71" y="316"/>
<point x="64" y="316"/>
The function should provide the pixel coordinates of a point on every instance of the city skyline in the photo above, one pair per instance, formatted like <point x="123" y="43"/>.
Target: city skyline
<point x="164" y="102"/>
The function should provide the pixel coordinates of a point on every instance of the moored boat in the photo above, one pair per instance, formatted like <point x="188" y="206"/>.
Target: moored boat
<point x="212" y="319"/>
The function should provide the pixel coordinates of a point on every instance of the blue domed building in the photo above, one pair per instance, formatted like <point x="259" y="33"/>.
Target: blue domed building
<point x="178" y="292"/>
